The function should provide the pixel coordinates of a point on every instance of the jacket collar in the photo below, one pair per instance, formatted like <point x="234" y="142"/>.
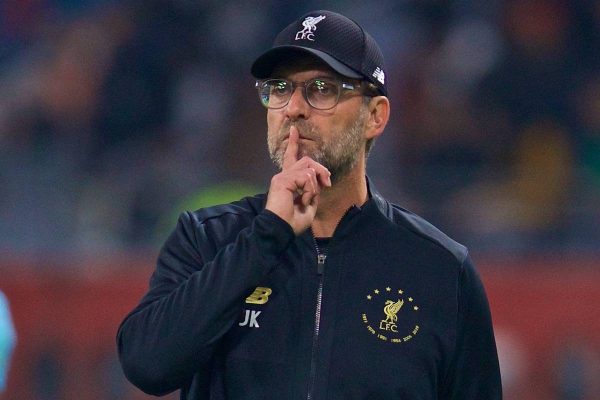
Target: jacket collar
<point x="382" y="204"/>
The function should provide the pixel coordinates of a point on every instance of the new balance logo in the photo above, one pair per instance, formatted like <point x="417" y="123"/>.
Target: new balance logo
<point x="379" y="75"/>
<point x="259" y="296"/>
<point x="251" y="319"/>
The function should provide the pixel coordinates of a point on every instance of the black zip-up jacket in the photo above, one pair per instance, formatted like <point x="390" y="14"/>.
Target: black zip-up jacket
<point x="240" y="308"/>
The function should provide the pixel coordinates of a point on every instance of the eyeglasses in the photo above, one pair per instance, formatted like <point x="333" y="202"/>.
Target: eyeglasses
<point x="319" y="93"/>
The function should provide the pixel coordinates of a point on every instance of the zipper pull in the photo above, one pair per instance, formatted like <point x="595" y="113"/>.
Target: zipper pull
<point x="321" y="263"/>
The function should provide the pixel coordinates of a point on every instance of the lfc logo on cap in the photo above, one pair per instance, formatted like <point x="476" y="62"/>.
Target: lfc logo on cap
<point x="310" y="26"/>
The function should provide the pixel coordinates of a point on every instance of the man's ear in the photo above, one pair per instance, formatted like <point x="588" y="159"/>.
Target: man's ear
<point x="379" y="114"/>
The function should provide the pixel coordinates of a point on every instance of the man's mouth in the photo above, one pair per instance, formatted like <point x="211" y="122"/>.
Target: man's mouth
<point x="304" y="134"/>
<point x="300" y="137"/>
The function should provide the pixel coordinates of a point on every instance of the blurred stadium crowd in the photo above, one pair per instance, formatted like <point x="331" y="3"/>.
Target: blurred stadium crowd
<point x="115" y="115"/>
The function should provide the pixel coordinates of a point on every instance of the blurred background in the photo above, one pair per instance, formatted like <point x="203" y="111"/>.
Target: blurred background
<point x="116" y="115"/>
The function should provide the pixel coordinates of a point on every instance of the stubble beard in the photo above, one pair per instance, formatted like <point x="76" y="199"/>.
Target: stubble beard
<point x="339" y="154"/>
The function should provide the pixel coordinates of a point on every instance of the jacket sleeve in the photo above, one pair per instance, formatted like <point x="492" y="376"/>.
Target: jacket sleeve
<point x="475" y="372"/>
<point x="193" y="300"/>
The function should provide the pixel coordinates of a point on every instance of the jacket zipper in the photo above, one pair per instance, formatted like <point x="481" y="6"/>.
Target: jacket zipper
<point x="320" y="272"/>
<point x="313" y="356"/>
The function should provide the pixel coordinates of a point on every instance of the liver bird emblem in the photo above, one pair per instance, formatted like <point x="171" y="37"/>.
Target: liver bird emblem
<point x="310" y="23"/>
<point x="391" y="309"/>
<point x="310" y="26"/>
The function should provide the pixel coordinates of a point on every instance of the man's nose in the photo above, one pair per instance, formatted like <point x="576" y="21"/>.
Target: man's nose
<point x="297" y="107"/>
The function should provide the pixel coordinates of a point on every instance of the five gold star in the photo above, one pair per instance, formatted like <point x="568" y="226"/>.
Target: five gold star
<point x="389" y="289"/>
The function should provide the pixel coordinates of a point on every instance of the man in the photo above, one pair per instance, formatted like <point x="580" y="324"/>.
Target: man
<point x="320" y="289"/>
<point x="8" y="338"/>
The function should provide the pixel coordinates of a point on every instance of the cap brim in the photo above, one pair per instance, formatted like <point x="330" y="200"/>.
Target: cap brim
<point x="263" y="66"/>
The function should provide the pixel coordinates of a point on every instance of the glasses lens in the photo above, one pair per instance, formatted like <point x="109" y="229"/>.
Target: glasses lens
<point x="322" y="94"/>
<point x="274" y="93"/>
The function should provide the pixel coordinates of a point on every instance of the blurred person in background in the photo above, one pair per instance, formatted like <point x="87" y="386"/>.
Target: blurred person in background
<point x="8" y="338"/>
<point x="576" y="369"/>
<point x="320" y="288"/>
<point x="585" y="229"/>
<point x="522" y="196"/>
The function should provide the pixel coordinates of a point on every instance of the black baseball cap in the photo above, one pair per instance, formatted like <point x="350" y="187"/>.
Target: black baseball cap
<point x="333" y="38"/>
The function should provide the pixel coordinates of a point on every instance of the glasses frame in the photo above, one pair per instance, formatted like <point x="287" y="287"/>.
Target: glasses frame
<point x="342" y="86"/>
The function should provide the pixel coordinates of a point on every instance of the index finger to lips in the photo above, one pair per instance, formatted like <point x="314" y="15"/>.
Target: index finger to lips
<point x="290" y="157"/>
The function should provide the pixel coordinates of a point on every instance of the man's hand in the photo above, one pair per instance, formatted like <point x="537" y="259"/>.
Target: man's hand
<point x="294" y="192"/>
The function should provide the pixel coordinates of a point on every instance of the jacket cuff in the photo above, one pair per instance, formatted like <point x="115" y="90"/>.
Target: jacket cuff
<point x="275" y="235"/>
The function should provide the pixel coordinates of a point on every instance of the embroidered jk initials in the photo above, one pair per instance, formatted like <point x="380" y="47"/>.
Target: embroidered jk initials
<point x="250" y="319"/>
